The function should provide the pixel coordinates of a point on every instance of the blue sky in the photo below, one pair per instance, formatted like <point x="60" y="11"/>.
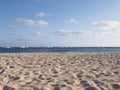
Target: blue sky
<point x="59" y="23"/>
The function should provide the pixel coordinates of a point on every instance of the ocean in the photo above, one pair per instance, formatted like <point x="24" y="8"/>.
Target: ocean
<point x="58" y="49"/>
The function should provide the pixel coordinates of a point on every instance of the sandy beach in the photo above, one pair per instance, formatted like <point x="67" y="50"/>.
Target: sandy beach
<point x="60" y="71"/>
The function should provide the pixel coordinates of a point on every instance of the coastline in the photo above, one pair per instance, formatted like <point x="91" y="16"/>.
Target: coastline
<point x="60" y="71"/>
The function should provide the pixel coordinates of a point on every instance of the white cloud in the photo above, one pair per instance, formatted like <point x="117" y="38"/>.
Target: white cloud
<point x="107" y="34"/>
<point x="38" y="33"/>
<point x="11" y="27"/>
<point x="107" y="25"/>
<point x="42" y="23"/>
<point x="74" y="21"/>
<point x="64" y="32"/>
<point x="42" y="14"/>
<point x="28" y="22"/>
<point x="107" y="29"/>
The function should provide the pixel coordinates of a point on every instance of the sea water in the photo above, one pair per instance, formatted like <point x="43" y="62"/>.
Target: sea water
<point x="58" y="49"/>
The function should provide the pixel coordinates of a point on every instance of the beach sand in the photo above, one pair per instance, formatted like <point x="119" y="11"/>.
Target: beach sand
<point x="60" y="71"/>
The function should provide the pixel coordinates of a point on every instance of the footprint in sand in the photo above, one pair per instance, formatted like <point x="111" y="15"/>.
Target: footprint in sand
<point x="116" y="86"/>
<point x="90" y="88"/>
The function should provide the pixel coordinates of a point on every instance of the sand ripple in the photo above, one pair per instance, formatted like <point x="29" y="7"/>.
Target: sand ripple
<point x="60" y="71"/>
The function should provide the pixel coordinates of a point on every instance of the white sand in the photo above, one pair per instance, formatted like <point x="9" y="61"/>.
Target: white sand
<point x="60" y="71"/>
